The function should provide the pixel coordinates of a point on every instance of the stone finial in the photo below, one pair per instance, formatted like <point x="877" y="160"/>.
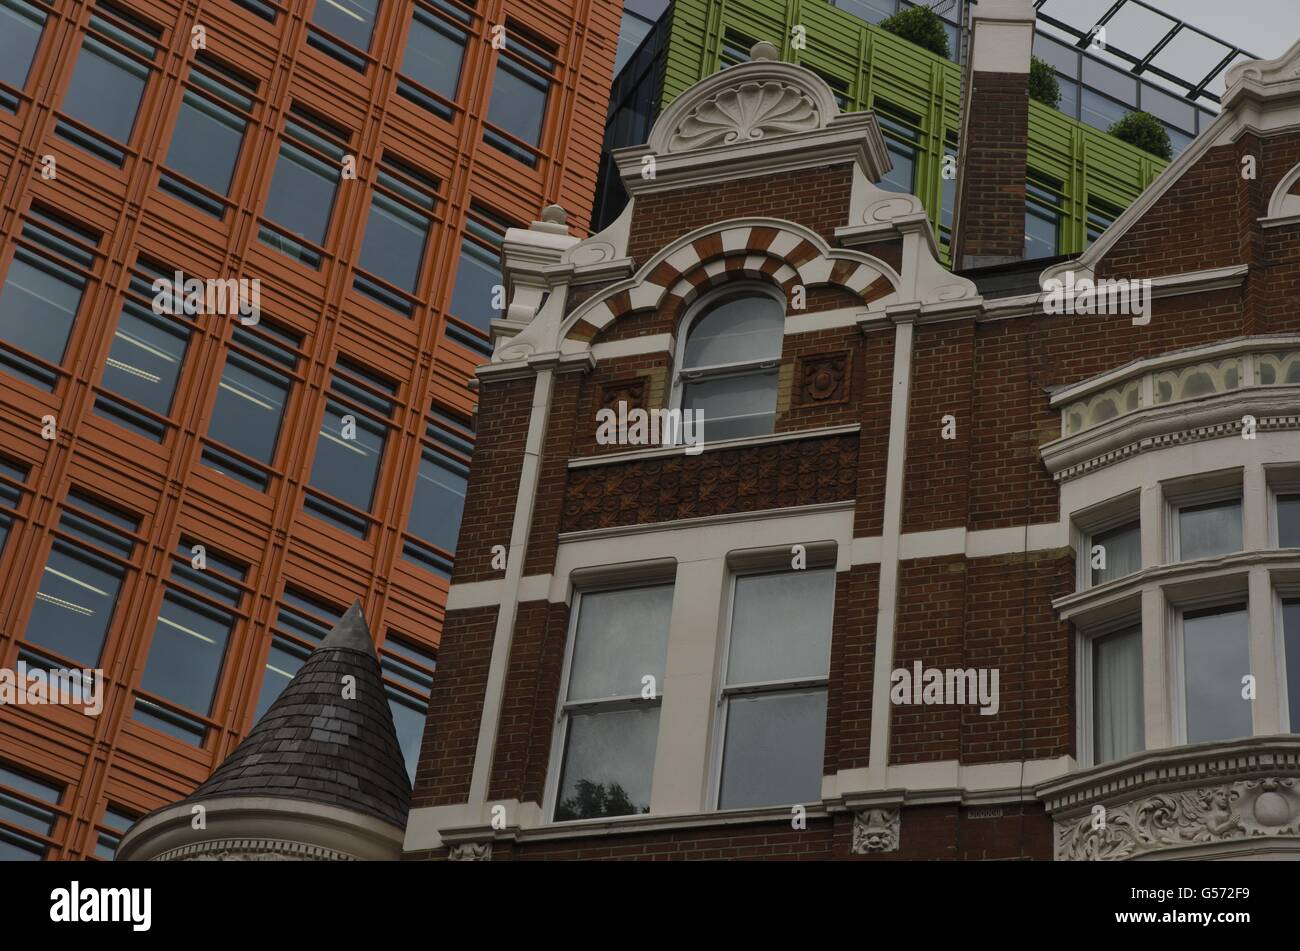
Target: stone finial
<point x="555" y="215"/>
<point x="763" y="50"/>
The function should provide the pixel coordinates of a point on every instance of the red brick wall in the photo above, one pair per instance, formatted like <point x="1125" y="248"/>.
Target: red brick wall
<point x="853" y="646"/>
<point x="992" y="216"/>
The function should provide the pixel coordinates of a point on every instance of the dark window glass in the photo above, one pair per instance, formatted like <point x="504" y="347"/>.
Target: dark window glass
<point x="1069" y="103"/>
<point x="301" y="625"/>
<point x="1288" y="529"/>
<point x="873" y="11"/>
<point x="10" y="496"/>
<point x="206" y="141"/>
<point x="631" y="32"/>
<point x="351" y="447"/>
<point x="263" y="9"/>
<point x="79" y="587"/>
<point x="1100" y="112"/>
<point x="143" y="366"/>
<point x="901" y="136"/>
<point x="41" y="295"/>
<point x="735" y="49"/>
<point x="478" y="274"/>
<point x="1291" y="653"/>
<point x="435" y="51"/>
<point x="26" y="806"/>
<point x="303" y="186"/>
<point x="518" y="106"/>
<point x="408" y="675"/>
<point x="396" y="233"/>
<point x="1101" y="215"/>
<point x="349" y="20"/>
<point x="115" y="823"/>
<point x="949" y="199"/>
<point x="21" y="24"/>
<point x="1042" y="220"/>
<point x="249" y="408"/>
<point x="439" y="500"/>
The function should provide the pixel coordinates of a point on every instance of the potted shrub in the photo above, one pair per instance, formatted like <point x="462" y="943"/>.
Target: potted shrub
<point x="922" y="26"/>
<point x="1145" y="131"/>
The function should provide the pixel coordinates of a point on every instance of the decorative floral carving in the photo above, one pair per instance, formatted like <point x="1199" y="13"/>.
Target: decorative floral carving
<point x="875" y="830"/>
<point x="1206" y="815"/>
<point x="471" y="852"/>
<point x="824" y="378"/>
<point x="745" y="113"/>
<point x="719" y="482"/>
<point x="630" y="391"/>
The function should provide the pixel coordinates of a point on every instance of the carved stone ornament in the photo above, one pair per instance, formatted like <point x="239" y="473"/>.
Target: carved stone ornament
<point x="630" y="391"/>
<point x="471" y="852"/>
<point x="875" y="830"/>
<point x="252" y="850"/>
<point x="1226" y="813"/>
<point x="825" y="378"/>
<point x="746" y="113"/>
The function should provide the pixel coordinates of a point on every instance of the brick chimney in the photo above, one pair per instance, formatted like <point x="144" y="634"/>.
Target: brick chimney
<point x="989" y="227"/>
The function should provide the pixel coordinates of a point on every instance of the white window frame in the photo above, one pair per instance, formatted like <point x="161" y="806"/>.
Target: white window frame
<point x="1178" y="663"/>
<point x="560" y="727"/>
<point x="718" y="371"/>
<point x="1176" y="503"/>
<point x="1283" y="592"/>
<point x="1084" y="638"/>
<point x="1093" y="521"/>
<point x="722" y="692"/>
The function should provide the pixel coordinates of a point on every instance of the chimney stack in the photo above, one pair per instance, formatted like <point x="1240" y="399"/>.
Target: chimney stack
<point x="989" y="227"/>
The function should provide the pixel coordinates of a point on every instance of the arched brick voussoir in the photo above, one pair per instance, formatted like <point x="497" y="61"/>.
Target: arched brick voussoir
<point x="780" y="252"/>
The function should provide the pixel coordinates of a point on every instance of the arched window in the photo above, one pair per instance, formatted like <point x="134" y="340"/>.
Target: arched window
<point x="727" y="361"/>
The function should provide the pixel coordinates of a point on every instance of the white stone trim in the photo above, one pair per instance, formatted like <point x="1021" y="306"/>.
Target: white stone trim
<point x="658" y="452"/>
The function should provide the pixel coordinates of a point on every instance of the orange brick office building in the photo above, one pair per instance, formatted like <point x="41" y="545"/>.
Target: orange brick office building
<point x="361" y="160"/>
<point x="907" y="474"/>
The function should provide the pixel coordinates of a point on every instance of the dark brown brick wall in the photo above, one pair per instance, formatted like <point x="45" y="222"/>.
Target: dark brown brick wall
<point x="992" y="216"/>
<point x="853" y="646"/>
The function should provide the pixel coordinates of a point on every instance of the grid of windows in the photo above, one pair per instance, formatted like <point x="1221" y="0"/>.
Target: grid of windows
<point x="301" y="200"/>
<point x="301" y="624"/>
<point x="12" y="477"/>
<point x="520" y="91"/>
<point x="112" y="826"/>
<point x="1042" y="217"/>
<point x="343" y="28"/>
<point x="477" y="295"/>
<point x="408" y="678"/>
<point x="27" y="819"/>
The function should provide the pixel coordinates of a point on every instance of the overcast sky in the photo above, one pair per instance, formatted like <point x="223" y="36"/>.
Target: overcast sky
<point x="1264" y="27"/>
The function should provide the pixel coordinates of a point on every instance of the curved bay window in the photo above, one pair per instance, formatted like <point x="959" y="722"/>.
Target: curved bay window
<point x="728" y="361"/>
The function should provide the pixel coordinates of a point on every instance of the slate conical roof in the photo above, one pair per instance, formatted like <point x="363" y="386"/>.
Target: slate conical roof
<point x="322" y="742"/>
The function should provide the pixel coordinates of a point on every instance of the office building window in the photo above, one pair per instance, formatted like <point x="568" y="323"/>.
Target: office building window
<point x="145" y="361"/>
<point x="12" y="477"/>
<point x="343" y="28"/>
<point x="408" y="678"/>
<point x="735" y="49"/>
<point x="266" y="9"/>
<point x="435" y="53"/>
<point x="949" y="185"/>
<point x="1208" y="529"/>
<point x="198" y="614"/>
<point x="1117" y="713"/>
<point x="112" y="827"/>
<point x="301" y="199"/>
<point x="1042" y="218"/>
<point x="439" y="499"/>
<point x="301" y="624"/>
<point x="244" y="431"/>
<point x="209" y="134"/>
<point x="1215" y="658"/>
<point x="27" y="819"/>
<point x="902" y="133"/>
<point x="1101" y="215"/>
<point x="42" y="293"/>
<point x="350" y="448"/>
<point x="731" y="347"/>
<point x="21" y="26"/>
<point x="608" y="728"/>
<point x="478" y="295"/>
<point x="520" y="90"/>
<point x="82" y="579"/>
<point x="108" y="82"/>
<point x="773" y="711"/>
<point x="397" y="230"/>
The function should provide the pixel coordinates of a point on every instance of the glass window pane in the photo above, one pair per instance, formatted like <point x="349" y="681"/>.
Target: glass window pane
<point x="774" y="749"/>
<point x="38" y="305"/>
<point x="21" y="24"/>
<point x="439" y="501"/>
<point x="205" y="144"/>
<point x="283" y="661"/>
<point x="408" y="718"/>
<point x="1042" y="232"/>
<point x="518" y="100"/>
<point x="735" y="330"/>
<point x="781" y="626"/>
<point x="1122" y="548"/>
<point x="1069" y="103"/>
<point x="873" y="11"/>
<point x="302" y="194"/>
<point x="1118" y="725"/>
<point x="74" y="605"/>
<point x="1208" y="530"/>
<point x="1215" y="658"/>
<point x="348" y="468"/>
<point x="621" y="637"/>
<point x="350" y="20"/>
<point x="105" y="90"/>
<point x="734" y="406"/>
<point x="477" y="274"/>
<point x="633" y="30"/>
<point x="1291" y="632"/>
<point x="249" y="408"/>
<point x="1110" y="81"/>
<point x="185" y="657"/>
<point x="434" y="52"/>
<point x="1288" y="521"/>
<point x="608" y="764"/>
<point x="394" y="243"/>
<point x="1099" y="111"/>
<point x="146" y="358"/>
<point x="902" y="176"/>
